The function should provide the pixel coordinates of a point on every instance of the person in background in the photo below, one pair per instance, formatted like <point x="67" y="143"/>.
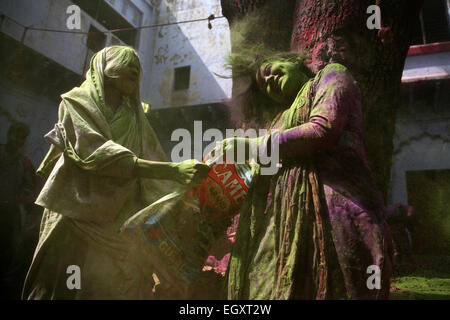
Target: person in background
<point x="18" y="184"/>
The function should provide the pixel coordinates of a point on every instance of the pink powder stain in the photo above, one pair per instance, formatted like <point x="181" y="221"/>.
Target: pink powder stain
<point x="220" y="266"/>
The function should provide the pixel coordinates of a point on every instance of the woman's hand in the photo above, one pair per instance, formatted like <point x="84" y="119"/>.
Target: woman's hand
<point x="190" y="172"/>
<point x="240" y="150"/>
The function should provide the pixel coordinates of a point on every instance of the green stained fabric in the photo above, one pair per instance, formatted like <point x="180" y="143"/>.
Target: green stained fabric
<point x="311" y="230"/>
<point x="90" y="192"/>
<point x="262" y="260"/>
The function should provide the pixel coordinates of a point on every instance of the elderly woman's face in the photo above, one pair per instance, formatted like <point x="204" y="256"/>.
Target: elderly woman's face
<point x="280" y="80"/>
<point x="127" y="81"/>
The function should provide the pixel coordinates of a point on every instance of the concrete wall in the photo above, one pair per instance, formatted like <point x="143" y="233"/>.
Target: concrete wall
<point x="419" y="144"/>
<point x="190" y="44"/>
<point x="66" y="49"/>
<point x="69" y="50"/>
<point x="422" y="130"/>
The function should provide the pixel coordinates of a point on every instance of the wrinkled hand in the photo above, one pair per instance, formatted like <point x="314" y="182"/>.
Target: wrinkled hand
<point x="191" y="172"/>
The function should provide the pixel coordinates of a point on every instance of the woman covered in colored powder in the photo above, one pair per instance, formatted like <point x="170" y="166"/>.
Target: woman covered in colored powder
<point x="313" y="229"/>
<point x="104" y="164"/>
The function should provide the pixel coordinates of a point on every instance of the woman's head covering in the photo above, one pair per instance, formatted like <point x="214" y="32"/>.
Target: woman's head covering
<point x="120" y="58"/>
<point x="108" y="62"/>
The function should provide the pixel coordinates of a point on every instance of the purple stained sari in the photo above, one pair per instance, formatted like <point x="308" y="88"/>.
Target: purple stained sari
<point x="312" y="230"/>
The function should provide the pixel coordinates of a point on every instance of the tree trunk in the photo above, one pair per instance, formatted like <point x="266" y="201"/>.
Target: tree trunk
<point x="336" y="31"/>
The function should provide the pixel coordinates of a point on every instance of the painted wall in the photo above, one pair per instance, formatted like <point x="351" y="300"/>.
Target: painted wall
<point x="422" y="131"/>
<point x="190" y="44"/>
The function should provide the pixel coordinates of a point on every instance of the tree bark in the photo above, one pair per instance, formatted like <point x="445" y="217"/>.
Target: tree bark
<point x="336" y="31"/>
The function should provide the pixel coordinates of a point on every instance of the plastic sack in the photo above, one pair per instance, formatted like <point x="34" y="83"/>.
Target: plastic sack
<point x="178" y="230"/>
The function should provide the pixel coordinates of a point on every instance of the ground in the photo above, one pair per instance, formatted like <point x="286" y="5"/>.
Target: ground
<point x="429" y="281"/>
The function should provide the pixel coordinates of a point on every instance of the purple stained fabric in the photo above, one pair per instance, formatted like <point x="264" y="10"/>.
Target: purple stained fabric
<point x="334" y="136"/>
<point x="312" y="230"/>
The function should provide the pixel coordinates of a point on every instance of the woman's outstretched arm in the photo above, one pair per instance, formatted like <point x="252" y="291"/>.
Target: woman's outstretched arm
<point x="185" y="172"/>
